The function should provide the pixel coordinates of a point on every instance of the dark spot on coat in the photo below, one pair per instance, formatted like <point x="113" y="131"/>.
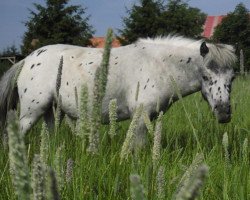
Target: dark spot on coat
<point x="181" y="60"/>
<point x="38" y="64"/>
<point x="141" y="69"/>
<point x="145" y="87"/>
<point x="143" y="47"/>
<point x="215" y="82"/>
<point x="153" y="86"/>
<point x="41" y="51"/>
<point x="210" y="89"/>
<point x="189" y="60"/>
<point x="31" y="78"/>
<point x="148" y="80"/>
<point x="72" y="57"/>
<point x="25" y="90"/>
<point x="116" y="57"/>
<point x="218" y="88"/>
<point x="116" y="63"/>
<point x="33" y="100"/>
<point x="32" y="66"/>
<point x="170" y="55"/>
<point x="67" y="83"/>
<point x="28" y="108"/>
<point x="37" y="102"/>
<point x="80" y="64"/>
<point x="163" y="60"/>
<point x="90" y="63"/>
<point x="40" y="92"/>
<point x="30" y="113"/>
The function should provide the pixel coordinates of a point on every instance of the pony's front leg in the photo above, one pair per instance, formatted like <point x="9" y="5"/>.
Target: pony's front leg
<point x="141" y="133"/>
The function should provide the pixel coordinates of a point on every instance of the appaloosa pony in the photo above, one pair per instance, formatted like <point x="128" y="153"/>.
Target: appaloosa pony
<point x="151" y="64"/>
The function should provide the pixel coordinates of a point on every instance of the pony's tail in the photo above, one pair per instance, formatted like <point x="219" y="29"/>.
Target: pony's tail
<point x="8" y="91"/>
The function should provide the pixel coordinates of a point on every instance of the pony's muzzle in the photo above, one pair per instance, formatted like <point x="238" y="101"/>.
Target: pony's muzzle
<point x="223" y="113"/>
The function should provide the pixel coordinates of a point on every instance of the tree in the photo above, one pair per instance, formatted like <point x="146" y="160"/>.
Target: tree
<point x="153" y="18"/>
<point x="10" y="51"/>
<point x="180" y="18"/>
<point x="235" y="30"/>
<point x="142" y="21"/>
<point x="56" y="23"/>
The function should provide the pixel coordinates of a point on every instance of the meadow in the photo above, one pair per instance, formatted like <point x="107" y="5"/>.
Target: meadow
<point x="187" y="154"/>
<point x="188" y="128"/>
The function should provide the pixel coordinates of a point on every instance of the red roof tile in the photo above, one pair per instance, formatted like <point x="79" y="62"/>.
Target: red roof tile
<point x="210" y="24"/>
<point x="99" y="42"/>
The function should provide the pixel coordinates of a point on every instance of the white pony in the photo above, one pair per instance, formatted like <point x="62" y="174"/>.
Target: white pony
<point x="151" y="64"/>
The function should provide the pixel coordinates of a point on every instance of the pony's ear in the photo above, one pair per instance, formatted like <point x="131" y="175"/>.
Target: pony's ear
<point x="203" y="49"/>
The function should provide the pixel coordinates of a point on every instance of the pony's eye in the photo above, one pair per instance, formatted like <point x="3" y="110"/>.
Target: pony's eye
<point x="205" y="78"/>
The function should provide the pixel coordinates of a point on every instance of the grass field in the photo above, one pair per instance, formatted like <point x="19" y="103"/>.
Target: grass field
<point x="103" y="177"/>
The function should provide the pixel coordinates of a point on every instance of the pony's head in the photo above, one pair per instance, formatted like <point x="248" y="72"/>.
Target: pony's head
<point x="216" y="78"/>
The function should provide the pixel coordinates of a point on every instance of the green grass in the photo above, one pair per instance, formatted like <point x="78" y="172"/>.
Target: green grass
<point x="103" y="177"/>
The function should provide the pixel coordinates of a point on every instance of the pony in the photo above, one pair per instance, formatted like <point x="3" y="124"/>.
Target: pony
<point x="147" y="67"/>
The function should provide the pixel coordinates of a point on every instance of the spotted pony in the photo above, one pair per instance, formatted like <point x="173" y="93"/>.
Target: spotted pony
<point x="152" y="65"/>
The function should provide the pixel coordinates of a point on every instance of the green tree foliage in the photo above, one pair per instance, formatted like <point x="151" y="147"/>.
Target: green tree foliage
<point x="56" y="22"/>
<point x="10" y="51"/>
<point x="235" y="29"/>
<point x="142" y="21"/>
<point x="150" y="18"/>
<point x="180" y="18"/>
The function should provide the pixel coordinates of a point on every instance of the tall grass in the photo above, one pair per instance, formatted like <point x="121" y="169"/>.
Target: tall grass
<point x="103" y="177"/>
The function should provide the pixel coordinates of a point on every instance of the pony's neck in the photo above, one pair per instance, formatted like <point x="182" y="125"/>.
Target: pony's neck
<point x="188" y="75"/>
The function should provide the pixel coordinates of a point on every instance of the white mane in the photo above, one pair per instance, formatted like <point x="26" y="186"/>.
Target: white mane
<point x="223" y="54"/>
<point x="172" y="40"/>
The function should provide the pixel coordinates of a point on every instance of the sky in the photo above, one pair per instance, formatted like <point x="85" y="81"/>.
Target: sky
<point x="104" y="14"/>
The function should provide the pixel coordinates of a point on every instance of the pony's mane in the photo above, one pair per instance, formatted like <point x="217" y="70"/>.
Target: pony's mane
<point x="171" y="40"/>
<point x="223" y="54"/>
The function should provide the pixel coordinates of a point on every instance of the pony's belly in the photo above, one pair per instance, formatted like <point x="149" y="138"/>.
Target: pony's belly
<point x="123" y="113"/>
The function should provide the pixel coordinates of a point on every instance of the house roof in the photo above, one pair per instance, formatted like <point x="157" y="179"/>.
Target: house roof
<point x="210" y="24"/>
<point x="99" y="42"/>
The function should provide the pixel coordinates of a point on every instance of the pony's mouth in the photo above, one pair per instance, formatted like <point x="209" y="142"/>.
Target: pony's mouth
<point x="224" y="118"/>
<point x="223" y="113"/>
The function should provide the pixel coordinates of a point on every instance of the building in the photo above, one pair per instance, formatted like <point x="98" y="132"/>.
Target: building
<point x="99" y="42"/>
<point x="210" y="24"/>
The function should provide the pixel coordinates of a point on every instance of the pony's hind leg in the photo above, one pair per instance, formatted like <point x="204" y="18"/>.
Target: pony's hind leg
<point x="31" y="111"/>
